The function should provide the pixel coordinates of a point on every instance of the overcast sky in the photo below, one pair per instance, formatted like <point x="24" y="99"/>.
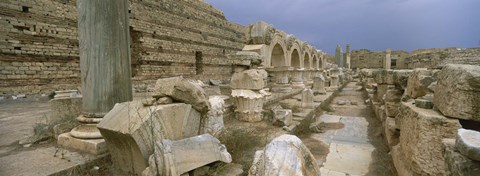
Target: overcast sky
<point x="365" y="24"/>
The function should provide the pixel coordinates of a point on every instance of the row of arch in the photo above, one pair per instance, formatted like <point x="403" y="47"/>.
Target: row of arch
<point x="298" y="55"/>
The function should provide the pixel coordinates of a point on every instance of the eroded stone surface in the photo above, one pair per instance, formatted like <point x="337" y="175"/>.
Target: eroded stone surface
<point x="182" y="90"/>
<point x="421" y="134"/>
<point x="214" y="121"/>
<point x="286" y="155"/>
<point x="130" y="130"/>
<point x="457" y="93"/>
<point x="181" y="156"/>
<point x="252" y="79"/>
<point x="418" y="83"/>
<point x="468" y="143"/>
<point x="456" y="163"/>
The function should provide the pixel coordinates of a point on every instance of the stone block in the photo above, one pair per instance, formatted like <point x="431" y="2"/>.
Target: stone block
<point x="418" y="83"/>
<point x="421" y="134"/>
<point x="214" y="122"/>
<point x="63" y="108"/>
<point x="131" y="129"/>
<point x="181" y="156"/>
<point x="457" y="93"/>
<point x="391" y="109"/>
<point x="286" y="155"/>
<point x="282" y="117"/>
<point x="392" y="94"/>
<point x="456" y="163"/>
<point x="249" y="105"/>
<point x="392" y="133"/>
<point x="253" y="79"/>
<point x="91" y="146"/>
<point x="423" y="103"/>
<point x="468" y="143"/>
<point x="184" y="91"/>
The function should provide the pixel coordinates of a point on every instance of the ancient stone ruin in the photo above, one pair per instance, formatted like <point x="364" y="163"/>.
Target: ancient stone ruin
<point x="160" y="88"/>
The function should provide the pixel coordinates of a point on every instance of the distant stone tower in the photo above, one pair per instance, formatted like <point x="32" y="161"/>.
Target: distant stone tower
<point x="339" y="56"/>
<point x="347" y="58"/>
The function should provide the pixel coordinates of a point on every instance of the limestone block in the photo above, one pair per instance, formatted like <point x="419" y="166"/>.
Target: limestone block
<point x="182" y="90"/>
<point x="260" y="33"/>
<point x="181" y="156"/>
<point x="286" y="155"/>
<point x="214" y="121"/>
<point x="319" y="85"/>
<point x="307" y="99"/>
<point x="62" y="108"/>
<point x="392" y="94"/>
<point x="457" y="93"/>
<point x="249" y="105"/>
<point x="423" y="103"/>
<point x="456" y="163"/>
<point x="418" y="83"/>
<point x="253" y="79"/>
<point x="392" y="133"/>
<point x="392" y="77"/>
<point x="282" y="117"/>
<point x="421" y="134"/>
<point x="131" y="129"/>
<point x="391" y="109"/>
<point x="381" y="90"/>
<point x="468" y="143"/>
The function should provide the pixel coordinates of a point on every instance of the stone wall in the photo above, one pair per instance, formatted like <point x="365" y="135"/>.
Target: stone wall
<point x="373" y="59"/>
<point x="421" y="58"/>
<point x="39" y="43"/>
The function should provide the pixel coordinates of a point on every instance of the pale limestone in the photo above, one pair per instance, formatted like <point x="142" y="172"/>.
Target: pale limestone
<point x="286" y="155"/>
<point x="182" y="90"/>
<point x="253" y="79"/>
<point x="468" y="143"/>
<point x="181" y="156"/>
<point x="131" y="129"/>
<point x="249" y="105"/>
<point x="457" y="93"/>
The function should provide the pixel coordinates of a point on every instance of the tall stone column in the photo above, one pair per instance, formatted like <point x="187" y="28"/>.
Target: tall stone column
<point x="347" y="62"/>
<point x="339" y="56"/>
<point x="388" y="61"/>
<point x="105" y="68"/>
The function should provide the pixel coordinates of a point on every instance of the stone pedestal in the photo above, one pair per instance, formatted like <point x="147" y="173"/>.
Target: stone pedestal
<point x="249" y="105"/>
<point x="319" y="85"/>
<point x="334" y="81"/>
<point x="281" y="79"/>
<point x="307" y="99"/>
<point x="297" y="78"/>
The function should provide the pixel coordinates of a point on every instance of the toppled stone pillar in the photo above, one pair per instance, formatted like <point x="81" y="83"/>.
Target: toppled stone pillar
<point x="182" y="156"/>
<point x="307" y="99"/>
<point x="105" y="69"/>
<point x="286" y="155"/>
<point x="319" y="85"/>
<point x="387" y="62"/>
<point x="297" y="78"/>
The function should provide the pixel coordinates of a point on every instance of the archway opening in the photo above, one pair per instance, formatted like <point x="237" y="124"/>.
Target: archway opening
<point x="295" y="59"/>
<point x="306" y="61"/>
<point x="278" y="56"/>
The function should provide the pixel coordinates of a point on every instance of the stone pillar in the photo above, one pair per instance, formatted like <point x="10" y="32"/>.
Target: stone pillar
<point x="339" y="56"/>
<point x="319" y="85"/>
<point x="334" y="81"/>
<point x="348" y="57"/>
<point x="281" y="79"/>
<point x="105" y="68"/>
<point x="297" y="78"/>
<point x="388" y="61"/>
<point x="307" y="98"/>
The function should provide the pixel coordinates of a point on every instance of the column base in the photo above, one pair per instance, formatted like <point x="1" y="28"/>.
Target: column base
<point x="298" y="85"/>
<point x="281" y="88"/>
<point x="91" y="146"/>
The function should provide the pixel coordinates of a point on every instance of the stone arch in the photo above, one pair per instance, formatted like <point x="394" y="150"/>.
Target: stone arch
<point x="307" y="57"/>
<point x="316" y="61"/>
<point x="295" y="59"/>
<point x="277" y="55"/>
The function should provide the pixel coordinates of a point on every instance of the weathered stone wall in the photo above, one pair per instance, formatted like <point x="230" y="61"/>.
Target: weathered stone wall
<point x="373" y="59"/>
<point x="39" y="43"/>
<point x="421" y="58"/>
